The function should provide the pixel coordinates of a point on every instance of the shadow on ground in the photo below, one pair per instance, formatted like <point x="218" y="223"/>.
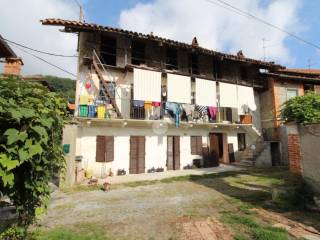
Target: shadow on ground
<point x="256" y="187"/>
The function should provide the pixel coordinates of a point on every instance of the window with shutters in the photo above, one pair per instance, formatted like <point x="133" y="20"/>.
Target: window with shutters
<point x="196" y="145"/>
<point x="105" y="149"/>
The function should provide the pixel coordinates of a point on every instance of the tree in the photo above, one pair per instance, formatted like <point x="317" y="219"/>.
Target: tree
<point x="303" y="109"/>
<point x="64" y="86"/>
<point x="31" y="123"/>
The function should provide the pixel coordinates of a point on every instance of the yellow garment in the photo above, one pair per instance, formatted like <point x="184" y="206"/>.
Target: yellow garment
<point x="84" y="100"/>
<point x="147" y="105"/>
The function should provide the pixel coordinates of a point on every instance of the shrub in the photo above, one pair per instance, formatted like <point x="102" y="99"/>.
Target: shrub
<point x="303" y="109"/>
<point x="31" y="123"/>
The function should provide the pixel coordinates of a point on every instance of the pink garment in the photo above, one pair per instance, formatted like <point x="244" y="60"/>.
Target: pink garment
<point x="213" y="112"/>
<point x="156" y="104"/>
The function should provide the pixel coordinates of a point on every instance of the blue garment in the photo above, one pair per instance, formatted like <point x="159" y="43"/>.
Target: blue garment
<point x="91" y="111"/>
<point x="176" y="109"/>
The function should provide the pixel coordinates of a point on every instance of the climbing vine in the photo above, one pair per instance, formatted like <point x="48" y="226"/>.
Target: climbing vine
<point x="31" y="123"/>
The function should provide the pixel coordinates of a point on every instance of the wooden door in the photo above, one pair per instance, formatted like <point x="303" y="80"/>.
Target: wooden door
<point x="214" y="150"/>
<point x="137" y="154"/>
<point x="173" y="153"/>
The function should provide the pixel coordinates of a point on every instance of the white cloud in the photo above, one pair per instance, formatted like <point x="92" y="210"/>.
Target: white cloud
<point x="218" y="28"/>
<point x="20" y="22"/>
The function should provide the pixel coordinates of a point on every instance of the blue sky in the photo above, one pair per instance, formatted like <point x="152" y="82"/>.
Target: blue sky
<point x="108" y="13"/>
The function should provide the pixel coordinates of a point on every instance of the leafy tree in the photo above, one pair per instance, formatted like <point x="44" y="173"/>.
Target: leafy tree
<point x="303" y="109"/>
<point x="31" y="123"/>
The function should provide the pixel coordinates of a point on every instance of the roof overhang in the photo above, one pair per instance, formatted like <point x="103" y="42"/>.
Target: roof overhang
<point x="76" y="26"/>
<point x="5" y="49"/>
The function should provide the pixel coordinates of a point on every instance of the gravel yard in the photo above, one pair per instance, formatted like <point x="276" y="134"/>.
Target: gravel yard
<point x="162" y="209"/>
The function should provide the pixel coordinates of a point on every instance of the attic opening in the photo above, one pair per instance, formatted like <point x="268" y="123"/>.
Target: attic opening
<point x="194" y="64"/>
<point x="138" y="53"/>
<point x="244" y="73"/>
<point x="108" y="50"/>
<point x="171" y="59"/>
<point x="217" y="69"/>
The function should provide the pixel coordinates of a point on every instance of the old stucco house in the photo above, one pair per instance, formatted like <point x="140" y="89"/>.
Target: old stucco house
<point x="145" y="103"/>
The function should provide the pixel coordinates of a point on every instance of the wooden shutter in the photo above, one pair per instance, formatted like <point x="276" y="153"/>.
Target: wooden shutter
<point x="141" y="154"/>
<point x="100" y="149"/>
<point x="133" y="155"/>
<point x="176" y="142"/>
<point x="109" y="154"/>
<point x="196" y="145"/>
<point x="169" y="153"/>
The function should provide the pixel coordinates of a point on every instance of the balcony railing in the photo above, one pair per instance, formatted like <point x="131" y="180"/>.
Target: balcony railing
<point x="140" y="110"/>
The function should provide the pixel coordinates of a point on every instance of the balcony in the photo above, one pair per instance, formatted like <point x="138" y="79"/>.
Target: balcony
<point x="174" y="113"/>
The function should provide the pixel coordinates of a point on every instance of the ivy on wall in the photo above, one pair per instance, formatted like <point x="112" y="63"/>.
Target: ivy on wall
<point x="31" y="123"/>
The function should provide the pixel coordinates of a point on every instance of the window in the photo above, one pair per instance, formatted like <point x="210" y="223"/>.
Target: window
<point x="196" y="145"/>
<point x="138" y="53"/>
<point x="217" y="71"/>
<point x="241" y="141"/>
<point x="291" y="93"/>
<point x="105" y="149"/>
<point x="108" y="50"/>
<point x="171" y="59"/>
<point x="194" y="64"/>
<point x="244" y="73"/>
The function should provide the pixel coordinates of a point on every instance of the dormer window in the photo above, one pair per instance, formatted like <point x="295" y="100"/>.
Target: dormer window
<point x="171" y="59"/>
<point x="138" y="53"/>
<point x="108" y="50"/>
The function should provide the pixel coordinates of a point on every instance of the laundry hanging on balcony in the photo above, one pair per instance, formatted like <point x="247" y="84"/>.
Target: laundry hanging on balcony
<point x="246" y="99"/>
<point x="228" y="95"/>
<point x="206" y="93"/>
<point x="146" y="85"/>
<point x="179" y="88"/>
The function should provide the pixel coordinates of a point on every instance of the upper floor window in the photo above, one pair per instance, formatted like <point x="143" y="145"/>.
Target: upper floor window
<point x="217" y="70"/>
<point x="194" y="64"/>
<point x="138" y="53"/>
<point x="171" y="59"/>
<point x="244" y="73"/>
<point x="108" y="50"/>
<point x="291" y="93"/>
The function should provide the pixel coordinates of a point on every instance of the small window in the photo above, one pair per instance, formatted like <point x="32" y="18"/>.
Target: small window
<point x="194" y="64"/>
<point x="138" y="53"/>
<point x="291" y="93"/>
<point x="244" y="73"/>
<point x="196" y="145"/>
<point x="217" y="70"/>
<point x="105" y="149"/>
<point x="108" y="50"/>
<point x="171" y="59"/>
<point x="241" y="141"/>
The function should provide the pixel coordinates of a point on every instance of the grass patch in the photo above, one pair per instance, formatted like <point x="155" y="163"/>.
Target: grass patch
<point x="255" y="230"/>
<point x="80" y="232"/>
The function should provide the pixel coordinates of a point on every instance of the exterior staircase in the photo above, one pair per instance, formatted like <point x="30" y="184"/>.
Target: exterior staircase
<point x="248" y="157"/>
<point x="99" y="69"/>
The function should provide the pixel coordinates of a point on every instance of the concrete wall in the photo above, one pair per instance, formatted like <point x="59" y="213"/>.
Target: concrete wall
<point x="310" y="159"/>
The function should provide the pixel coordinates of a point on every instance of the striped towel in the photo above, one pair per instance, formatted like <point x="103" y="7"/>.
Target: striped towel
<point x="202" y="110"/>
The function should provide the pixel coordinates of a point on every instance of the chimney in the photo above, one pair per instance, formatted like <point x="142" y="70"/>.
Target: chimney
<point x="195" y="42"/>
<point x="13" y="66"/>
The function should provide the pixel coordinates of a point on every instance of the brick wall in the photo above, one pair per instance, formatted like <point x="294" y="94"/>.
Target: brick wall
<point x="294" y="153"/>
<point x="13" y="66"/>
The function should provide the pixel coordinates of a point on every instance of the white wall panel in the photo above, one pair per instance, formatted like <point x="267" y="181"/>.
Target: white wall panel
<point x="179" y="88"/>
<point x="206" y="93"/>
